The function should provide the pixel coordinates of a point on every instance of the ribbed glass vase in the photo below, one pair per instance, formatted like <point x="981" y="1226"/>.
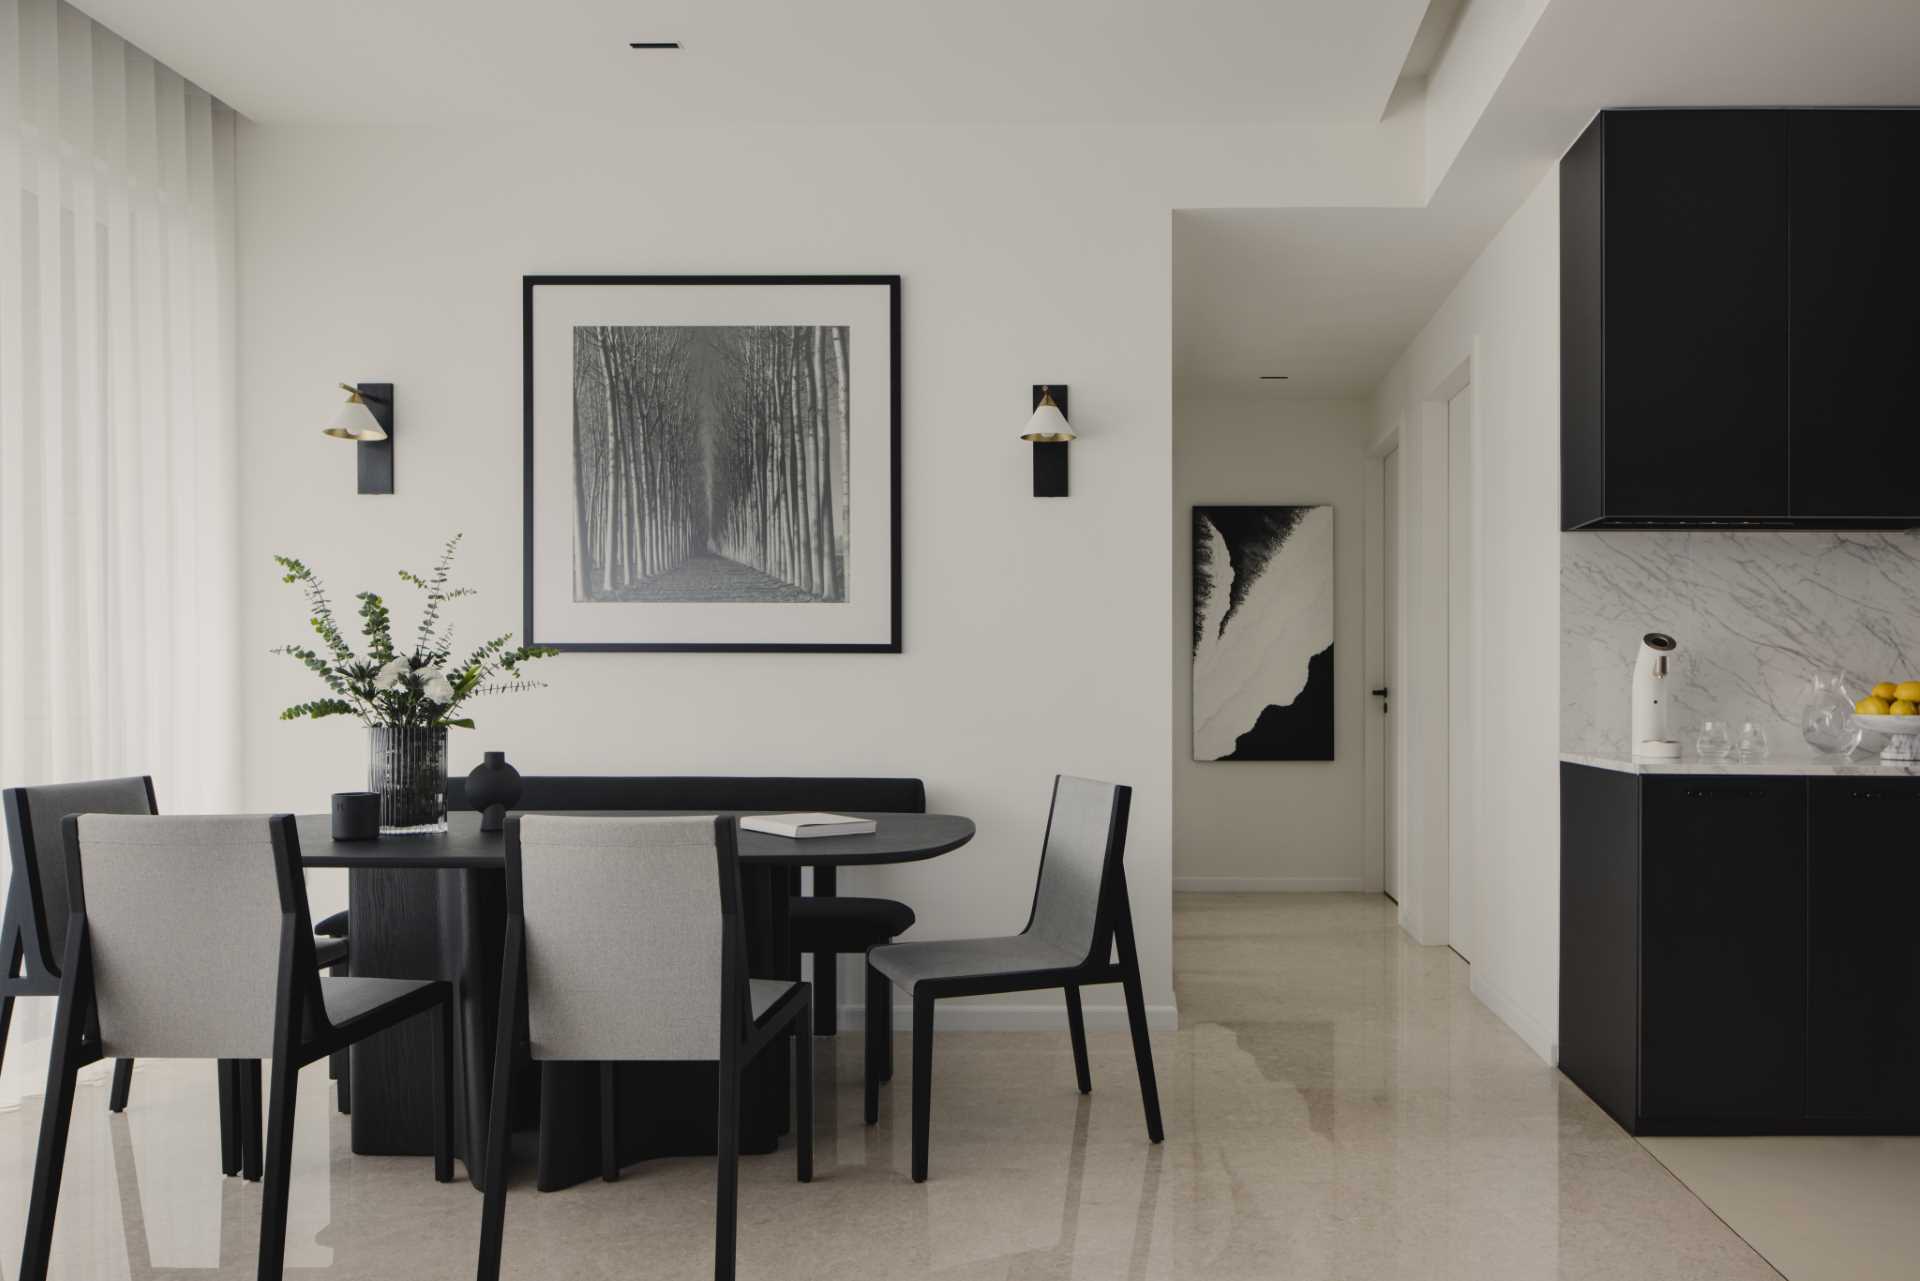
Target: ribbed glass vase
<point x="407" y="769"/>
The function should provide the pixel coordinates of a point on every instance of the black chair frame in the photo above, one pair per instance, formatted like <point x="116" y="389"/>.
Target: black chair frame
<point x="1112" y="931"/>
<point x="742" y="1038"/>
<point x="33" y="970"/>
<point x="302" y="1034"/>
<point x="705" y="793"/>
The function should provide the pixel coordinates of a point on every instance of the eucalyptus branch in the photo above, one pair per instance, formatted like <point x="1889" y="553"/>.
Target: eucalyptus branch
<point x="318" y="708"/>
<point x="507" y="687"/>
<point x="377" y="623"/>
<point x="317" y="605"/>
<point x="435" y="587"/>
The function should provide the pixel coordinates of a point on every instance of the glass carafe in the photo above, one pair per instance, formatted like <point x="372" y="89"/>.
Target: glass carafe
<point x="1826" y="718"/>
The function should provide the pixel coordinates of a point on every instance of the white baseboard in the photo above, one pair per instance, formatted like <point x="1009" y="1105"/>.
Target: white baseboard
<point x="1536" y="1034"/>
<point x="970" y="1016"/>
<point x="1268" y="885"/>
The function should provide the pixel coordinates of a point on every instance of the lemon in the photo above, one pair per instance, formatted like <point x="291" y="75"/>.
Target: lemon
<point x="1887" y="690"/>
<point x="1903" y="707"/>
<point x="1871" y="705"/>
<point x="1909" y="690"/>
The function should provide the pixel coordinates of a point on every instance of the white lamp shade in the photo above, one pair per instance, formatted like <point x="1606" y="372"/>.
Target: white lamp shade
<point x="354" y="421"/>
<point x="1048" y="425"/>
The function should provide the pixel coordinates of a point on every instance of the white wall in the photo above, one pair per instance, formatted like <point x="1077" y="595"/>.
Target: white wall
<point x="1501" y="326"/>
<point x="1035" y="634"/>
<point x="1256" y="825"/>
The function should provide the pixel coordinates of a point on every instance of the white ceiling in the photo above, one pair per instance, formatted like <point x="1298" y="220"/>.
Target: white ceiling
<point x="1327" y="297"/>
<point x="845" y="61"/>
<point x="1332" y="296"/>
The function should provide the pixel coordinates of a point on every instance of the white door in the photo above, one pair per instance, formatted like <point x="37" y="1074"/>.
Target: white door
<point x="1460" y="653"/>
<point x="1391" y="586"/>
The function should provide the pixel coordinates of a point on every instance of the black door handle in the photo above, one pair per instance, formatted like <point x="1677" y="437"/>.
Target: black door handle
<point x="1381" y="692"/>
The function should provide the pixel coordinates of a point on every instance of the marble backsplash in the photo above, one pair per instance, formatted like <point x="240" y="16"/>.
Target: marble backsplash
<point x="1755" y="615"/>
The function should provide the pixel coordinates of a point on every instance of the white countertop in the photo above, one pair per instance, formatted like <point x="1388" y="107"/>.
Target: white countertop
<point x="1792" y="763"/>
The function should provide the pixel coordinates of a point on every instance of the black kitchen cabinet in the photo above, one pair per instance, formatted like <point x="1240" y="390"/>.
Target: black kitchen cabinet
<point x="1673" y="301"/>
<point x="1600" y="936"/>
<point x="1735" y="952"/>
<point x="1723" y="947"/>
<point x="1738" y="337"/>
<point x="1855" y="268"/>
<point x="1863" y="955"/>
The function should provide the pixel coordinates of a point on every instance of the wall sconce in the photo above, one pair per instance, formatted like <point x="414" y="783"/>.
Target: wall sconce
<point x="1049" y="432"/>
<point x="367" y="417"/>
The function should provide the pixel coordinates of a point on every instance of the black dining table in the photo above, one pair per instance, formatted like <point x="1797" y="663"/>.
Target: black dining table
<point x="433" y="905"/>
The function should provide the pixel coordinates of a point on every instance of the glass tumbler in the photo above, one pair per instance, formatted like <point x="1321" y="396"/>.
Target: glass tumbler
<point x="1715" y="742"/>
<point x="1753" y="743"/>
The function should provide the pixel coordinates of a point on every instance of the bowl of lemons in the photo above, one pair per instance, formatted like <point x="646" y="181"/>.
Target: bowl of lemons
<point x="1893" y="709"/>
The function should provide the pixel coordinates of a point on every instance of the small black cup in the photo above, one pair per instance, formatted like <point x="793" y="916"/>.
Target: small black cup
<point x="356" y="816"/>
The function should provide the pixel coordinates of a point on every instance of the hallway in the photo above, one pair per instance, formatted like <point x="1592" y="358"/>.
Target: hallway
<point x="1338" y="1106"/>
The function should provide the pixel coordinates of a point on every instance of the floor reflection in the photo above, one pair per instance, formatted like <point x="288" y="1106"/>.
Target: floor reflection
<point x="1338" y="1106"/>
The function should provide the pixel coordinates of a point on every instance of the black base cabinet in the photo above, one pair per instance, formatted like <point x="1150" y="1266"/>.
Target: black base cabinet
<point x="1735" y="954"/>
<point x="1723" y="948"/>
<point x="1863" y="961"/>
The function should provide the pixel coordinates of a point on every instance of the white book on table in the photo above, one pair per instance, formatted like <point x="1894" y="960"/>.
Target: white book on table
<point x="804" y="826"/>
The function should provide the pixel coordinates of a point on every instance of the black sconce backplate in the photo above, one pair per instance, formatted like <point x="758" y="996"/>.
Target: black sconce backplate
<point x="1050" y="457"/>
<point x="376" y="456"/>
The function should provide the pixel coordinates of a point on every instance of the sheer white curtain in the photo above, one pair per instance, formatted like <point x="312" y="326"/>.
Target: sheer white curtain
<point x="118" y="454"/>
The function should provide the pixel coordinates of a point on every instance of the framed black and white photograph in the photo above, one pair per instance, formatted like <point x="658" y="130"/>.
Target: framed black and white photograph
<point x="713" y="462"/>
<point x="1263" y="633"/>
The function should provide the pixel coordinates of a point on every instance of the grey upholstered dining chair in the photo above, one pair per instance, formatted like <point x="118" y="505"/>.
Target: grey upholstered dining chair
<point x="624" y="943"/>
<point x="1080" y="918"/>
<point x="33" y="933"/>
<point x="232" y="978"/>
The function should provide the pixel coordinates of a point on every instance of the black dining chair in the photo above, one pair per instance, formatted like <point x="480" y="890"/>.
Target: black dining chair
<point x="829" y="926"/>
<point x="234" y="979"/>
<point x="331" y="944"/>
<point x="33" y="934"/>
<point x="624" y="943"/>
<point x="823" y="924"/>
<point x="1079" y="920"/>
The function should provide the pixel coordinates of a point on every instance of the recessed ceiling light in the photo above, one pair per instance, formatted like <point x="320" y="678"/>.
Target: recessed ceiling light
<point x="1273" y="378"/>
<point x="653" y="44"/>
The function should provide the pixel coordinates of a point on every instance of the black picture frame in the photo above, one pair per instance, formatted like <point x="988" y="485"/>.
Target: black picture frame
<point x="1267" y="554"/>
<point x="892" y="645"/>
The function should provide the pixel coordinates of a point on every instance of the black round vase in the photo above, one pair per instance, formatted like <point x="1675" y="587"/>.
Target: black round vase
<point x="493" y="788"/>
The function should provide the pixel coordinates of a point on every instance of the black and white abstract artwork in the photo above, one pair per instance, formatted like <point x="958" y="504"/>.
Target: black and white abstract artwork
<point x="1263" y="633"/>
<point x="712" y="462"/>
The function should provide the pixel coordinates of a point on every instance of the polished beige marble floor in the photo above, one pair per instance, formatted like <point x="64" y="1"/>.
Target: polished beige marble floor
<point x="1819" y="1208"/>
<point x="1337" y="1106"/>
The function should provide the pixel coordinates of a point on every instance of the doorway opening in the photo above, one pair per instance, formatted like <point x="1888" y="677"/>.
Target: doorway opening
<point x="1390" y="635"/>
<point x="1461" y="650"/>
<point x="1429" y="646"/>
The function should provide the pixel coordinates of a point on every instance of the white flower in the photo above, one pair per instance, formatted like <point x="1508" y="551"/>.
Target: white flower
<point x="392" y="674"/>
<point x="439" y="688"/>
